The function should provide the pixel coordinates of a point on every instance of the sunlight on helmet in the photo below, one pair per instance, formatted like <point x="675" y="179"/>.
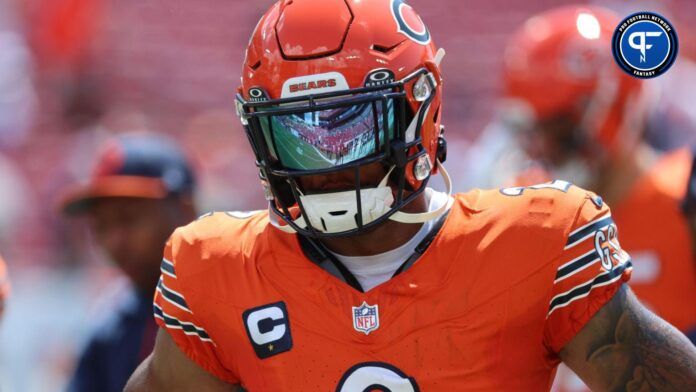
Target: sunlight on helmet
<point x="538" y="28"/>
<point x="588" y="26"/>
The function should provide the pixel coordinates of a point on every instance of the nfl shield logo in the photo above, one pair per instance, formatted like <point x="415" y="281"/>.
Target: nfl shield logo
<point x="365" y="318"/>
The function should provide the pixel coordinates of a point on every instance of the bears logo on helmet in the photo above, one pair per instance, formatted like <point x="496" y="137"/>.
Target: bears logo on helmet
<point x="401" y="12"/>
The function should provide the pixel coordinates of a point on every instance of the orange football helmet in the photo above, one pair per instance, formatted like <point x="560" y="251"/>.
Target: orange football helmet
<point x="559" y="64"/>
<point x="333" y="85"/>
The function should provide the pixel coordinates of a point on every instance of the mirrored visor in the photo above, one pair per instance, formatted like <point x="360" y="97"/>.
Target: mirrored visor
<point x="327" y="138"/>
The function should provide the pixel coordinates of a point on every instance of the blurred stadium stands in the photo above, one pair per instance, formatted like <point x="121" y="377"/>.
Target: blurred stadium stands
<point x="73" y="72"/>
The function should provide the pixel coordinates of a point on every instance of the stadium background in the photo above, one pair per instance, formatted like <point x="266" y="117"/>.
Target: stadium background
<point x="73" y="72"/>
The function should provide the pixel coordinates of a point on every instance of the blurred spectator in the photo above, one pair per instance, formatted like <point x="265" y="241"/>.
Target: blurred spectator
<point x="495" y="157"/>
<point x="62" y="31"/>
<point x="140" y="191"/>
<point x="671" y="120"/>
<point x="15" y="201"/>
<point x="4" y="286"/>
<point x="17" y="95"/>
<point x="223" y="159"/>
<point x="689" y="207"/>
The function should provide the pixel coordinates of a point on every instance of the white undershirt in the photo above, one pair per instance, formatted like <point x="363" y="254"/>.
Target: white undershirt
<point x="371" y="271"/>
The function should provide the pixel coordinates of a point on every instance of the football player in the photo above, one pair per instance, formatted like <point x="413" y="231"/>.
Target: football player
<point x="360" y="277"/>
<point x="140" y="191"/>
<point x="586" y="122"/>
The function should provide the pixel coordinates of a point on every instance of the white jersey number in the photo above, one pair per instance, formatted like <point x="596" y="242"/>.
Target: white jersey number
<point x="376" y="376"/>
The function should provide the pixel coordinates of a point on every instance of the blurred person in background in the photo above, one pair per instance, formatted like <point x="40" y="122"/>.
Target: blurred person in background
<point x="141" y="189"/>
<point x="581" y="119"/>
<point x="4" y="286"/>
<point x="18" y="99"/>
<point x="585" y="125"/>
<point x="669" y="122"/>
<point x="689" y="208"/>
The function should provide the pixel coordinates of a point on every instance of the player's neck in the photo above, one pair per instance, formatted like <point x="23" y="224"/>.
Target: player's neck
<point x="387" y="236"/>
<point x="617" y="180"/>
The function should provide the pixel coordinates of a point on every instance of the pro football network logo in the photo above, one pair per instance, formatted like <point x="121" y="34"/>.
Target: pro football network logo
<point x="645" y="45"/>
<point x="366" y="318"/>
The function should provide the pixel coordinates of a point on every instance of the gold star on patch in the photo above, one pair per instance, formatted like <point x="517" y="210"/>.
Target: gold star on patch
<point x="270" y="347"/>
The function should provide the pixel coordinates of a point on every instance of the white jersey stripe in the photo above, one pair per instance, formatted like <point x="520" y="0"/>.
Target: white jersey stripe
<point x="187" y="327"/>
<point x="172" y="302"/>
<point x="589" y="224"/>
<point x="580" y="241"/>
<point x="582" y="290"/>
<point x="582" y="268"/>
<point x="587" y="293"/>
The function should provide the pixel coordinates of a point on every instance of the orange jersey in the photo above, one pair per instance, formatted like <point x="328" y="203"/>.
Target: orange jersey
<point x="655" y="232"/>
<point x="509" y="279"/>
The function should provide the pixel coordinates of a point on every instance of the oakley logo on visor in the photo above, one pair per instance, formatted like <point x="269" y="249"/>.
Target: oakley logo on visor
<point x="314" y="84"/>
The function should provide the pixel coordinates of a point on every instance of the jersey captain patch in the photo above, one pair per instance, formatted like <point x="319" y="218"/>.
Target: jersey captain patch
<point x="268" y="328"/>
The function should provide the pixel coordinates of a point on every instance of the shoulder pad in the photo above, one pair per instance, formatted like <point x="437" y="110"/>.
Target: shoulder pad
<point x="219" y="233"/>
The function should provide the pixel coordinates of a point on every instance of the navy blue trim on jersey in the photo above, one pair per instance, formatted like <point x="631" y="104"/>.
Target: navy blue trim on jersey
<point x="577" y="264"/>
<point x="158" y="312"/>
<point x="172" y="296"/>
<point x="167" y="266"/>
<point x="583" y="290"/>
<point x="189" y="328"/>
<point x="586" y="231"/>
